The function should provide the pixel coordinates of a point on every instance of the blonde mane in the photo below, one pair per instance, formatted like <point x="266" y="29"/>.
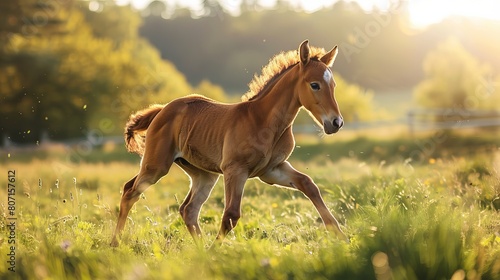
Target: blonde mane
<point x="276" y="66"/>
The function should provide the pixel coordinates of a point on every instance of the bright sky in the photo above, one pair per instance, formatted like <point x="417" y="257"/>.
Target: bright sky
<point x="422" y="12"/>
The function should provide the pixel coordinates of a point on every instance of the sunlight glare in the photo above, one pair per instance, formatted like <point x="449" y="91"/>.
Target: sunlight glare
<point x="426" y="12"/>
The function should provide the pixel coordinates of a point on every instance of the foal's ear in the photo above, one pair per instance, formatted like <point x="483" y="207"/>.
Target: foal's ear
<point x="329" y="57"/>
<point x="304" y="52"/>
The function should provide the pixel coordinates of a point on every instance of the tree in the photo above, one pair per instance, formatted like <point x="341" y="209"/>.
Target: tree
<point x="97" y="67"/>
<point x="356" y="103"/>
<point x="210" y="90"/>
<point x="53" y="82"/>
<point x="455" y="79"/>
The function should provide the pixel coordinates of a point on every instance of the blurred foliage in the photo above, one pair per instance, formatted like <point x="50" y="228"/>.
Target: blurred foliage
<point x="95" y="67"/>
<point x="378" y="49"/>
<point x="356" y="103"/>
<point x="207" y="88"/>
<point x="456" y="79"/>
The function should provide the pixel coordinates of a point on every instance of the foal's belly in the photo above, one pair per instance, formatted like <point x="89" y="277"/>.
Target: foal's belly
<point x="201" y="161"/>
<point x="257" y="162"/>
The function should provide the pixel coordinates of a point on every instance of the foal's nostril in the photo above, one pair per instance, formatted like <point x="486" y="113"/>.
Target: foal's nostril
<point x="332" y="126"/>
<point x="337" y="122"/>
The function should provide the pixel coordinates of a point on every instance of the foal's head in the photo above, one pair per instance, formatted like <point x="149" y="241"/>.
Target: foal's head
<point x="316" y="88"/>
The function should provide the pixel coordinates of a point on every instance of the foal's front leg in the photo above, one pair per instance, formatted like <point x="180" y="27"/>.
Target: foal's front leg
<point x="285" y="175"/>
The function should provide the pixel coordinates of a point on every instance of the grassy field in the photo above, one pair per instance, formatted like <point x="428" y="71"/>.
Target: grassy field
<point x="424" y="208"/>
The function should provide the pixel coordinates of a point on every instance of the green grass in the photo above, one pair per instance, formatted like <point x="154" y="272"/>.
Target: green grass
<point x="430" y="219"/>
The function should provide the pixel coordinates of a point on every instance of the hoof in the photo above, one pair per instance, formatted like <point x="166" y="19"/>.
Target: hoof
<point x="114" y="243"/>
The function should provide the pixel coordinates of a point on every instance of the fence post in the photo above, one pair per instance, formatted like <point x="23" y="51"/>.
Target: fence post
<point x="411" y="116"/>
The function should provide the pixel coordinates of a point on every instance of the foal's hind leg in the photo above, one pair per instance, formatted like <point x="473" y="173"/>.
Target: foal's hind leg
<point x="202" y="183"/>
<point x="152" y="169"/>
<point x="124" y="209"/>
<point x="131" y="192"/>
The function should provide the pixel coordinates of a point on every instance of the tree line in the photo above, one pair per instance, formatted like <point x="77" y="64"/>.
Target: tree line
<point x="379" y="50"/>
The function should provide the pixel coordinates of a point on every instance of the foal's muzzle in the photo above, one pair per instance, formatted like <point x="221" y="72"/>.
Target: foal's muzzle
<point x="333" y="126"/>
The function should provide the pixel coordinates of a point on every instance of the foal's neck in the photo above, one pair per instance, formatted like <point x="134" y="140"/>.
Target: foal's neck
<point x="280" y="104"/>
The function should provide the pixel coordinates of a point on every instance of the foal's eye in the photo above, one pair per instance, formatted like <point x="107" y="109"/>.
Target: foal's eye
<point x="314" y="86"/>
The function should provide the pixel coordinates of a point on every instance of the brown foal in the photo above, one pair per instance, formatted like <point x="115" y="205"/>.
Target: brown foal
<point x="249" y="139"/>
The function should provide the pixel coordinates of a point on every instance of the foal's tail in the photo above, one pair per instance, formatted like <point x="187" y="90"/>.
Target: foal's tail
<point x="135" y="129"/>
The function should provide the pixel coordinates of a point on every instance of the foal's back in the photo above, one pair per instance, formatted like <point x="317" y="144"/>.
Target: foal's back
<point x="199" y="127"/>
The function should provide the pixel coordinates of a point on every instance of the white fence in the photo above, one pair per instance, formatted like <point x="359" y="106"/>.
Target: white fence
<point x="427" y="119"/>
